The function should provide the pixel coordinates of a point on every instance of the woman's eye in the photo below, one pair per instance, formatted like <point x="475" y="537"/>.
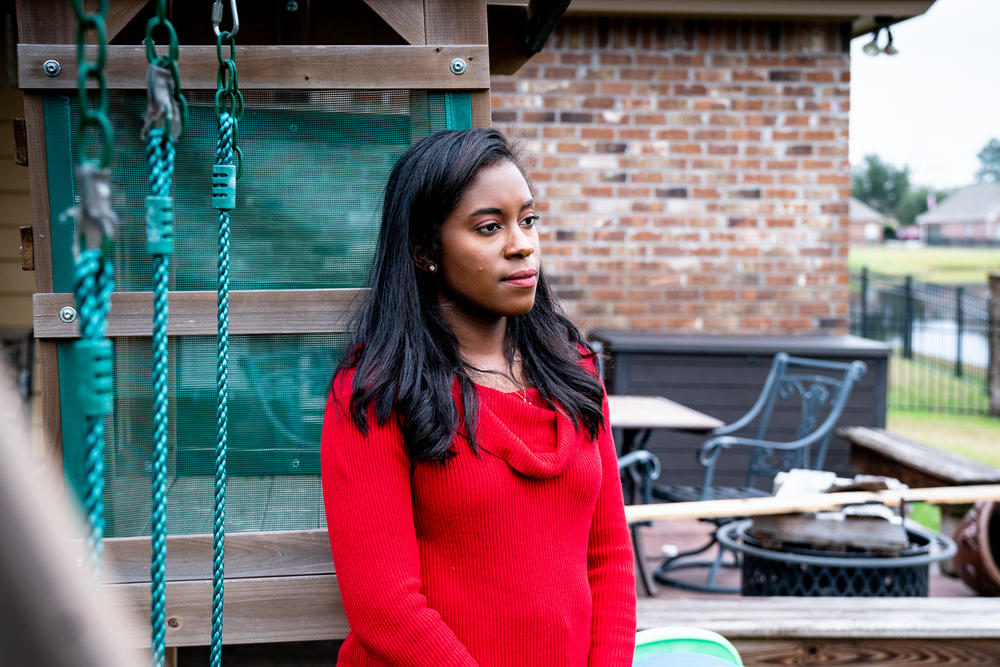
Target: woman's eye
<point x="530" y="221"/>
<point x="489" y="228"/>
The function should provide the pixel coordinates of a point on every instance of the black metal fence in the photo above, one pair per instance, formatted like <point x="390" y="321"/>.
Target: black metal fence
<point x="941" y="338"/>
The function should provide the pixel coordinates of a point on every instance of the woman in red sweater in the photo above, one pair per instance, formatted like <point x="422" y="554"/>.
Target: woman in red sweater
<point x="469" y="476"/>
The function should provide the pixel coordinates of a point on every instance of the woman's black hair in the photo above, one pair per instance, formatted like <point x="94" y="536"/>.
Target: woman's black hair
<point x="404" y="355"/>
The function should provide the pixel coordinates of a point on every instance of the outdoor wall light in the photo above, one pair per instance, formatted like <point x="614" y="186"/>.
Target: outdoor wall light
<point x="871" y="48"/>
<point x="889" y="49"/>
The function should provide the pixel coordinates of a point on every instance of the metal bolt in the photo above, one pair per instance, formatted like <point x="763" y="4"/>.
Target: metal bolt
<point x="52" y="67"/>
<point x="292" y="6"/>
<point x="68" y="314"/>
<point x="457" y="66"/>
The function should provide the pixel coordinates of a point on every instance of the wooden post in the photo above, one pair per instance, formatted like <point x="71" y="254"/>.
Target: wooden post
<point x="993" y="372"/>
<point x="864" y="302"/>
<point x="959" y="326"/>
<point x="908" y="318"/>
<point x="43" y="23"/>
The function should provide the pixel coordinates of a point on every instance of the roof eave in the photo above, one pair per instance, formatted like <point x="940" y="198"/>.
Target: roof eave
<point x="863" y="15"/>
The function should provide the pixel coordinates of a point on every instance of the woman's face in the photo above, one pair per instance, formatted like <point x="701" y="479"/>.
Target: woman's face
<point x="489" y="259"/>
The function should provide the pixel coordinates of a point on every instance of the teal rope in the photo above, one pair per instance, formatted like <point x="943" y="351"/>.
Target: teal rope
<point x="223" y="155"/>
<point x="160" y="155"/>
<point x="93" y="282"/>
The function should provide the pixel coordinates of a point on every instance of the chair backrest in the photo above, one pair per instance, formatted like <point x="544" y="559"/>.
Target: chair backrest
<point x="817" y="390"/>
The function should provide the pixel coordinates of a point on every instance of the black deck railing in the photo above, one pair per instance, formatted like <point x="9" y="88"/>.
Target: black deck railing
<point x="941" y="338"/>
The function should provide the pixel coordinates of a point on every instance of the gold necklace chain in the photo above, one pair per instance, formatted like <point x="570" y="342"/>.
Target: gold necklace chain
<point x="520" y="390"/>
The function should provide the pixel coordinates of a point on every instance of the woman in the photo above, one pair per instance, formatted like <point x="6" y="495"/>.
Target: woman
<point x="470" y="480"/>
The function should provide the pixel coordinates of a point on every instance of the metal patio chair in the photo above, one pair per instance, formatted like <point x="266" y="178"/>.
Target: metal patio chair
<point x="820" y="389"/>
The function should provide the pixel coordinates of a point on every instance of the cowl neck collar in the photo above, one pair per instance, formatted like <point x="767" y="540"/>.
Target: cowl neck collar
<point x="535" y="440"/>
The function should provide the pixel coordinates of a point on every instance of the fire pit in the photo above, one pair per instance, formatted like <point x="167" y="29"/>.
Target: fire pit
<point x="802" y="571"/>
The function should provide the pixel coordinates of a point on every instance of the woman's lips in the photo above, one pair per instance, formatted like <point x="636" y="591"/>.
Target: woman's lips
<point x="522" y="279"/>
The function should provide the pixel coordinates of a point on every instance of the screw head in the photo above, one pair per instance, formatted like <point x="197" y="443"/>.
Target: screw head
<point x="51" y="68"/>
<point x="67" y="314"/>
<point x="292" y="6"/>
<point x="295" y="463"/>
<point x="457" y="66"/>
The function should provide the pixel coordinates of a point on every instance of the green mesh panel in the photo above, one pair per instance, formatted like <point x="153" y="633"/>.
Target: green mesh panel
<point x="277" y="393"/>
<point x="307" y="204"/>
<point x="307" y="217"/>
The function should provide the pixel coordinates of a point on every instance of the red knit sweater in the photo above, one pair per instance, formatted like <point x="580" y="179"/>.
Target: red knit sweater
<point x="517" y="557"/>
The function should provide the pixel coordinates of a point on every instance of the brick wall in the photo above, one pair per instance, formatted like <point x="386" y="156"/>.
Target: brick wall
<point x="693" y="175"/>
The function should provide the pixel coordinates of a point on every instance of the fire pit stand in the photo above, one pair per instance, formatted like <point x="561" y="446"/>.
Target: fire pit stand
<point x="802" y="571"/>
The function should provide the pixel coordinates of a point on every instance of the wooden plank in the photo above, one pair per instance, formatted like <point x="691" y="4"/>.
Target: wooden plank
<point x="461" y="22"/>
<point x="275" y="67"/>
<point x="15" y="311"/>
<point x="120" y="14"/>
<point x="817" y="502"/>
<point x="17" y="282"/>
<point x="13" y="177"/>
<point x="16" y="207"/>
<point x="406" y="17"/>
<point x="189" y="557"/>
<point x="195" y="313"/>
<point x="11" y="240"/>
<point x="911" y="651"/>
<point x="20" y="137"/>
<point x="45" y="21"/>
<point x="828" y="617"/>
<point x="948" y="467"/>
<point x="38" y="181"/>
<point x="642" y="412"/>
<point x="258" y="610"/>
<point x="48" y="378"/>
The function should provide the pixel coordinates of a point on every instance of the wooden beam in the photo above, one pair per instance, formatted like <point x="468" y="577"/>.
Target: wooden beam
<point x="462" y="22"/>
<point x="121" y="13"/>
<point x="195" y="313"/>
<point x="276" y="67"/>
<point x="941" y="495"/>
<point x="258" y="610"/>
<point x="38" y="183"/>
<point x="189" y="557"/>
<point x="45" y="22"/>
<point x="828" y="617"/>
<point x="406" y="17"/>
<point x="910" y="651"/>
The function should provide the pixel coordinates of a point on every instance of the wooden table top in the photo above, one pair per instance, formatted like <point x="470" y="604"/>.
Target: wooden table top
<point x="642" y="412"/>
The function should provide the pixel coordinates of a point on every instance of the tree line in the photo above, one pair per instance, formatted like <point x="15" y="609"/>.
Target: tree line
<point x="888" y="190"/>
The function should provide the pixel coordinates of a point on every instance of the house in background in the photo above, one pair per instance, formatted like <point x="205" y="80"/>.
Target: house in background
<point x="969" y="216"/>
<point x="867" y="225"/>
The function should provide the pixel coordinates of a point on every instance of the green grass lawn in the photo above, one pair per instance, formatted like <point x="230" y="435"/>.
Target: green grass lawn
<point x="927" y="264"/>
<point x="975" y="436"/>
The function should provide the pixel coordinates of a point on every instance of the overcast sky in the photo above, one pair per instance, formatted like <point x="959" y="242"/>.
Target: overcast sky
<point x="934" y="105"/>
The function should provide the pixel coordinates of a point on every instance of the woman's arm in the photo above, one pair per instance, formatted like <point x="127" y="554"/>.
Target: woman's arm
<point x="369" y="513"/>
<point x="610" y="565"/>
